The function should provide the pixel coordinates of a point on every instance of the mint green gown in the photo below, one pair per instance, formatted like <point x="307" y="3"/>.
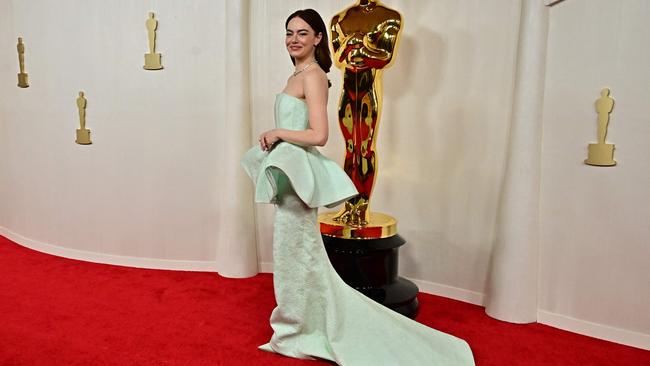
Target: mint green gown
<point x="317" y="314"/>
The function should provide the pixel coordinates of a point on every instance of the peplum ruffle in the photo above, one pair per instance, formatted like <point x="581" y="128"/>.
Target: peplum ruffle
<point x="317" y="180"/>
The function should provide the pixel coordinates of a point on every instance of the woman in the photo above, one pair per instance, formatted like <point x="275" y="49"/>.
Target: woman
<point x="317" y="314"/>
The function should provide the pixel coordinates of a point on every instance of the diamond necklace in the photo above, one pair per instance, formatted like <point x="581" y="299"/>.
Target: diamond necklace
<point x="304" y="68"/>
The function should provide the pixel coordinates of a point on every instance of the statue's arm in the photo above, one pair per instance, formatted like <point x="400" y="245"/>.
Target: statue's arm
<point x="339" y="39"/>
<point x="380" y="43"/>
<point x="335" y="33"/>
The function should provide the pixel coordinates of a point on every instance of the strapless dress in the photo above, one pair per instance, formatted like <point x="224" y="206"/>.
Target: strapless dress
<point x="318" y="316"/>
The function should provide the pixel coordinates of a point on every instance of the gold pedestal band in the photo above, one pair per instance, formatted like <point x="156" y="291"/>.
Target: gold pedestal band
<point x="380" y="226"/>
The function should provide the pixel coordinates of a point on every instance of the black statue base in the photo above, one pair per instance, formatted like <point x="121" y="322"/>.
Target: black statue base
<point x="370" y="266"/>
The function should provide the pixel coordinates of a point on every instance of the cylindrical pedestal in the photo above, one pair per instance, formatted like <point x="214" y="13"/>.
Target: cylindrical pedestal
<point x="370" y="266"/>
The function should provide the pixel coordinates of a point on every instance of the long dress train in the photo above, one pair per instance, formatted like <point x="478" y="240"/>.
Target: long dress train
<point x="317" y="314"/>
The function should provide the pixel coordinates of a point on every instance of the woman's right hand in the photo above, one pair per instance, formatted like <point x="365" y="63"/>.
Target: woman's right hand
<point x="268" y="139"/>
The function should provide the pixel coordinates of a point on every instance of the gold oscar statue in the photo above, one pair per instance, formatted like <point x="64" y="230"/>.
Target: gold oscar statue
<point x="83" y="134"/>
<point x="365" y="37"/>
<point x="601" y="153"/>
<point x="152" y="59"/>
<point x="363" y="246"/>
<point x="22" y="76"/>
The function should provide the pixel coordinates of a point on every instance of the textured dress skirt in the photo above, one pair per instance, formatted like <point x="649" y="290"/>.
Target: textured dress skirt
<point x="318" y="316"/>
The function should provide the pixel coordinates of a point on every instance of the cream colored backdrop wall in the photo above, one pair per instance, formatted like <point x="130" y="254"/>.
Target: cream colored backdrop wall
<point x="151" y="185"/>
<point x="595" y="242"/>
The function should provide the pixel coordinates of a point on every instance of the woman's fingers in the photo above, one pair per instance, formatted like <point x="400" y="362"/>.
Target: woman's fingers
<point x="266" y="141"/>
<point x="263" y="143"/>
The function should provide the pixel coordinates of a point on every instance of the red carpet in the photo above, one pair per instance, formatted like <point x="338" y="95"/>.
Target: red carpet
<point x="56" y="311"/>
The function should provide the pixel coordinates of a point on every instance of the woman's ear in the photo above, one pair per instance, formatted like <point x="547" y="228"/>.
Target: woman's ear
<point x="319" y="37"/>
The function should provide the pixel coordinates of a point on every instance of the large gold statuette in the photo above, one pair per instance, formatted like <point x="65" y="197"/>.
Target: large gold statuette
<point x="362" y="245"/>
<point x="83" y="134"/>
<point x="152" y="59"/>
<point x="22" y="76"/>
<point x="601" y="153"/>
<point x="364" y="38"/>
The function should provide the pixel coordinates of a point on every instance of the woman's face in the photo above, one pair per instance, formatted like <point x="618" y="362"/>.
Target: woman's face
<point x="301" y="39"/>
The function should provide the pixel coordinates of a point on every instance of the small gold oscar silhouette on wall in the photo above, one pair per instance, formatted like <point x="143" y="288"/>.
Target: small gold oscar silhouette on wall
<point x="152" y="59"/>
<point x="83" y="134"/>
<point x="22" y="76"/>
<point x="601" y="153"/>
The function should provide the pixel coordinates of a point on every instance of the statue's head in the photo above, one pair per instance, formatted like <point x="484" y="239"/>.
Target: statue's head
<point x="604" y="92"/>
<point x="307" y="33"/>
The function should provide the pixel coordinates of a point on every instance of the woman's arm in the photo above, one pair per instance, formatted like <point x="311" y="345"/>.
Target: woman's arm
<point x="315" y="87"/>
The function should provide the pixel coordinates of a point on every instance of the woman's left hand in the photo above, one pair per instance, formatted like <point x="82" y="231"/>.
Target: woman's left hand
<point x="268" y="139"/>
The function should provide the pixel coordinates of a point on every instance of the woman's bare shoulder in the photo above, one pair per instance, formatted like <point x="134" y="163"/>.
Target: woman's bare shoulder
<point x="315" y="76"/>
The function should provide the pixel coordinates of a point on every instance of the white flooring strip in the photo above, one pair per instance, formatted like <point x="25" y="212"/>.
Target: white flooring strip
<point x="600" y="331"/>
<point x="149" y="263"/>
